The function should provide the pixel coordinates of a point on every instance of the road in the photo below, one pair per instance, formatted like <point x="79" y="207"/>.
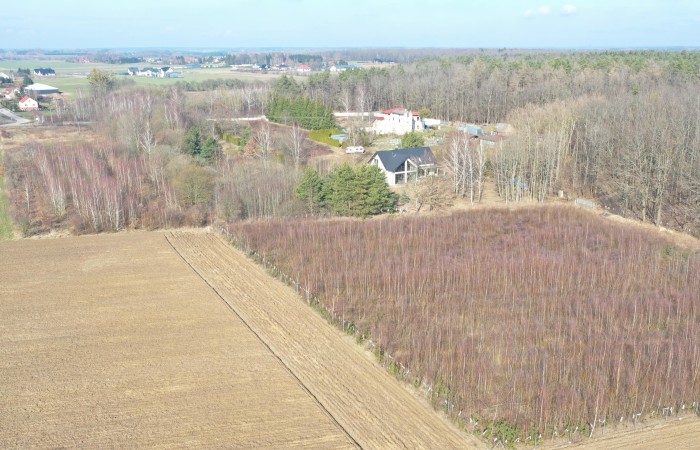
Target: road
<point x="12" y="116"/>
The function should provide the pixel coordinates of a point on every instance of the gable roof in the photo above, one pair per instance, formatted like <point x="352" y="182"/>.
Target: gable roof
<point x="398" y="111"/>
<point x="392" y="159"/>
<point x="46" y="71"/>
<point x="25" y="99"/>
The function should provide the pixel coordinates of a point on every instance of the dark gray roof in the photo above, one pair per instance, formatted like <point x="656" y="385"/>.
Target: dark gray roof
<point x="392" y="159"/>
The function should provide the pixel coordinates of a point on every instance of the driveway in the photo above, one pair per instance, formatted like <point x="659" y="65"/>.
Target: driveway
<point x="12" y="116"/>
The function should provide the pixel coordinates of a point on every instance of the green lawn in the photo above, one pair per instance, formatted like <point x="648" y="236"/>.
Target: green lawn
<point x="5" y="220"/>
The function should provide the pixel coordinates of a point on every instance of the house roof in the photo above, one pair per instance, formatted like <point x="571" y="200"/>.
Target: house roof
<point x="40" y="87"/>
<point x="25" y="98"/>
<point x="398" y="111"/>
<point x="392" y="159"/>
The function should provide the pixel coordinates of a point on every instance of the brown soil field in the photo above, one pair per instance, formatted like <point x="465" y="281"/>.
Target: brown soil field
<point x="664" y="434"/>
<point x="177" y="340"/>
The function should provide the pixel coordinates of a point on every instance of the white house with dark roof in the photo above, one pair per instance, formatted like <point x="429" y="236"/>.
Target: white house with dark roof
<point x="405" y="164"/>
<point x="397" y="121"/>
<point x="45" y="72"/>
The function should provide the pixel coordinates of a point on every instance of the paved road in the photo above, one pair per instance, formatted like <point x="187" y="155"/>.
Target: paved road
<point x="12" y="116"/>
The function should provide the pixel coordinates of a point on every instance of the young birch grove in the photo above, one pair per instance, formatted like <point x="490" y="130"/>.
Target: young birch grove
<point x="547" y="319"/>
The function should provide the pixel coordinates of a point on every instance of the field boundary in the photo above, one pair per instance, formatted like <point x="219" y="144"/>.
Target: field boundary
<point x="265" y="344"/>
<point x="5" y="219"/>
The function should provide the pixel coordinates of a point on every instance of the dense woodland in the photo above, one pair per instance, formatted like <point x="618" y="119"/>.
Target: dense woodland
<point x="517" y="323"/>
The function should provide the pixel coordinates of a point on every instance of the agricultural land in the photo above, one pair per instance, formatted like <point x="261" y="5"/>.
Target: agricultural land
<point x="176" y="339"/>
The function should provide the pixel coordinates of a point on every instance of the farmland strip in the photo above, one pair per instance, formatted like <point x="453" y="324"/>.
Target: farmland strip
<point x="371" y="405"/>
<point x="233" y="309"/>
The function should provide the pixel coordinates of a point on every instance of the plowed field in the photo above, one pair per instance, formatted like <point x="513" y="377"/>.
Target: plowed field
<point x="177" y="340"/>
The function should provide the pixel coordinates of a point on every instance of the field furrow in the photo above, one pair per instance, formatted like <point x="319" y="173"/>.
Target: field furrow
<point x="375" y="409"/>
<point x="111" y="341"/>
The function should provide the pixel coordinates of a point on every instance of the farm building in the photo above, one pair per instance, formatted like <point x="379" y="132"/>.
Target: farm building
<point x="28" y="104"/>
<point x="42" y="89"/>
<point x="405" y="164"/>
<point x="397" y="121"/>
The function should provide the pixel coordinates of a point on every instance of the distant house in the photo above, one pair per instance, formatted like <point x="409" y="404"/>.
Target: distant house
<point x="343" y="67"/>
<point x="304" y="68"/>
<point x="405" y="164"/>
<point x="397" y="121"/>
<point x="6" y="76"/>
<point x="28" y="104"/>
<point x="44" y="72"/>
<point x="42" y="89"/>
<point x="164" y="71"/>
<point x="132" y="71"/>
<point x="10" y="93"/>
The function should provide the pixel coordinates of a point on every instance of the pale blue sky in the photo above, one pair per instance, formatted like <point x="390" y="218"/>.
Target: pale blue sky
<point x="350" y="23"/>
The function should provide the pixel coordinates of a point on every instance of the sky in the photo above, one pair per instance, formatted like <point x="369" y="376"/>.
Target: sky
<point x="236" y="24"/>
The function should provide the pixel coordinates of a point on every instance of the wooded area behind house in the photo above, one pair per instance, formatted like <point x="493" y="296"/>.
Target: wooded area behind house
<point x="618" y="127"/>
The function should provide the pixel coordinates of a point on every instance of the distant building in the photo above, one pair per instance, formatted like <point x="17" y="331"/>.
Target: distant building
<point x="28" y="104"/>
<point x="10" y="93"/>
<point x="343" y="67"/>
<point x="397" y="121"/>
<point x="44" y="72"/>
<point x="304" y="68"/>
<point x="404" y="165"/>
<point x="7" y="76"/>
<point x="164" y="71"/>
<point x="42" y="89"/>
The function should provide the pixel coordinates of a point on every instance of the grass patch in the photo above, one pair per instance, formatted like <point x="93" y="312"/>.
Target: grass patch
<point x="324" y="136"/>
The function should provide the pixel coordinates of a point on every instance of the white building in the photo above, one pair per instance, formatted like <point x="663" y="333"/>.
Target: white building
<point x="397" y="121"/>
<point x="28" y="104"/>
<point x="41" y="89"/>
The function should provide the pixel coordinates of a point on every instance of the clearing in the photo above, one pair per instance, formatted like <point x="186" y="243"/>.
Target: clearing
<point x="153" y="339"/>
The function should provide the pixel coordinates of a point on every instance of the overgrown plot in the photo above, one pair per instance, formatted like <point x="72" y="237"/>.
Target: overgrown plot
<point x="524" y="321"/>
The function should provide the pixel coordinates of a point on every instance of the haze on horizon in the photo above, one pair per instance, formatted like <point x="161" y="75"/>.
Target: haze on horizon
<point x="558" y="24"/>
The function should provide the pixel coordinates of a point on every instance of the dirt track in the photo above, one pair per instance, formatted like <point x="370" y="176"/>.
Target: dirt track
<point x="114" y="341"/>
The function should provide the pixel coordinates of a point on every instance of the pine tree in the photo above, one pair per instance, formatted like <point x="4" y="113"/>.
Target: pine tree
<point x="310" y="189"/>
<point x="193" y="142"/>
<point x="210" y="150"/>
